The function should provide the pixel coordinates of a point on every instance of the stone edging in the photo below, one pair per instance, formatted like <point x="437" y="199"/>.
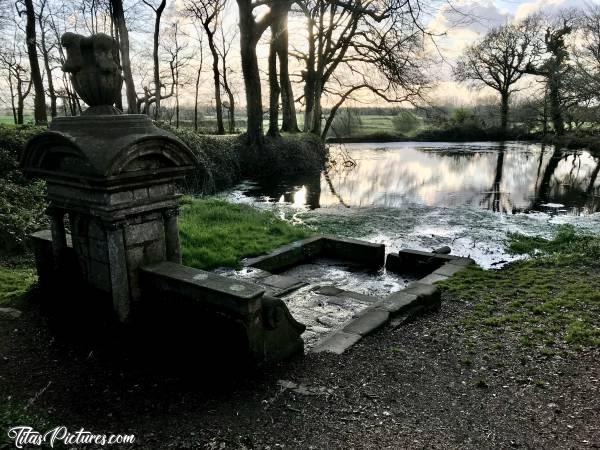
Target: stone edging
<point x="417" y="298"/>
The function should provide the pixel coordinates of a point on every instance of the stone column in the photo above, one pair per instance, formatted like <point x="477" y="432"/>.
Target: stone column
<point x="117" y="265"/>
<point x="172" y="235"/>
<point x="59" y="237"/>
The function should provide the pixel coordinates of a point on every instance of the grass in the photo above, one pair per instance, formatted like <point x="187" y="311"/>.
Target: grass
<point x="550" y="301"/>
<point x="215" y="233"/>
<point x="15" y="281"/>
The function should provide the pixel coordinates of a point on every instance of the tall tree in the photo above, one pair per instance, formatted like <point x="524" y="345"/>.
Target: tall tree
<point x="251" y="31"/>
<point x="498" y="61"/>
<point x="208" y="12"/>
<point x="280" y="83"/>
<point x="39" y="101"/>
<point x="46" y="48"/>
<point x="118" y="16"/>
<point x="555" y="69"/>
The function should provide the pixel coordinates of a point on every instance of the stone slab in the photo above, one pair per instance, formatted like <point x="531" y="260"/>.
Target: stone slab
<point x="337" y="343"/>
<point x="367" y="322"/>
<point x="281" y="283"/>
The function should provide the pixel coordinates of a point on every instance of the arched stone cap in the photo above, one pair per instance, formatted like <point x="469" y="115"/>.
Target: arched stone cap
<point x="105" y="147"/>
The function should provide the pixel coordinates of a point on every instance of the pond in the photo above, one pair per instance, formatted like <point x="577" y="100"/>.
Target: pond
<point x="424" y="195"/>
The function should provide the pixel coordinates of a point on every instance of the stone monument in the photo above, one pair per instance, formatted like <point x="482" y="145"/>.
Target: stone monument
<point x="112" y="177"/>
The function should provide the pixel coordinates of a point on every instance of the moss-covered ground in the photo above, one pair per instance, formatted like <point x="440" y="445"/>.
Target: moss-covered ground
<point x="549" y="301"/>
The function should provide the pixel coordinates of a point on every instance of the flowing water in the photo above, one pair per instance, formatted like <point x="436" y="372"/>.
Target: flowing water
<point x="424" y="195"/>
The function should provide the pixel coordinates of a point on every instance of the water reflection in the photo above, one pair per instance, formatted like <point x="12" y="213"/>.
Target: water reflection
<point x="507" y="178"/>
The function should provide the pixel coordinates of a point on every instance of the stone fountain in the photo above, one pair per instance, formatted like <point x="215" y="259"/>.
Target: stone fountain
<point x="112" y="178"/>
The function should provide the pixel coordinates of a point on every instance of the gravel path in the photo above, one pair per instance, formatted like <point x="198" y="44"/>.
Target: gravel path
<point x="427" y="384"/>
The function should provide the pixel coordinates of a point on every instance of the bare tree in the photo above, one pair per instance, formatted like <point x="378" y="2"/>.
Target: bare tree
<point x="498" y="61"/>
<point x="158" y="10"/>
<point x="208" y="13"/>
<point x="380" y="45"/>
<point x="118" y="16"/>
<point x="226" y="41"/>
<point x="17" y="76"/>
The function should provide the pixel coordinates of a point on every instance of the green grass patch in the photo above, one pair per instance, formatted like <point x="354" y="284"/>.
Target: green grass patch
<point x="15" y="282"/>
<point x="215" y="233"/>
<point x="549" y="300"/>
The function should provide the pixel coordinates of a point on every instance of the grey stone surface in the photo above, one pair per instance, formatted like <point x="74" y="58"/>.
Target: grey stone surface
<point x="426" y="293"/>
<point x="9" y="313"/>
<point x="434" y="278"/>
<point x="398" y="302"/>
<point x="366" y="253"/>
<point x="449" y="269"/>
<point x="367" y="322"/>
<point x="328" y="290"/>
<point x="337" y="343"/>
<point x="366" y="299"/>
<point x="282" y="283"/>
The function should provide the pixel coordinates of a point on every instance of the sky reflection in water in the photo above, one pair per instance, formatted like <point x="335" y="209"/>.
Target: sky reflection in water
<point x="515" y="177"/>
<point x="422" y="195"/>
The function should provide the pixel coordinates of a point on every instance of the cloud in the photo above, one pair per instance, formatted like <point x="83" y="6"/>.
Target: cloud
<point x="548" y="7"/>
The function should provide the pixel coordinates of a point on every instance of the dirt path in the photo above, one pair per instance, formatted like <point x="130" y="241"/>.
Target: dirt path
<point x="427" y="384"/>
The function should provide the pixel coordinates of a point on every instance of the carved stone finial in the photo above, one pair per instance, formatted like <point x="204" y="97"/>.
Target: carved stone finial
<point x="95" y="71"/>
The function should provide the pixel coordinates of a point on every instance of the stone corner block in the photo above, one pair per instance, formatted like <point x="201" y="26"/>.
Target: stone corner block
<point x="337" y="343"/>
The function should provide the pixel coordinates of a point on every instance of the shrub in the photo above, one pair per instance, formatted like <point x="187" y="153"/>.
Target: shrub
<point x="22" y="203"/>
<point x="405" y="121"/>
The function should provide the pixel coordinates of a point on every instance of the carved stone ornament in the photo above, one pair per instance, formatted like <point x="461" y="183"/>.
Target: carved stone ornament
<point x="95" y="71"/>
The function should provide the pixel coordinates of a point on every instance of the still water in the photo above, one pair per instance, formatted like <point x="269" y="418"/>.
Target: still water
<point x="423" y="195"/>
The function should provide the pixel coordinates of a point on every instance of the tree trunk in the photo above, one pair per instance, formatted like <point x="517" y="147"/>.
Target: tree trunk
<point x="555" y="106"/>
<point x="197" y="86"/>
<point x="288" y="111"/>
<point x="251" y="75"/>
<point x="231" y="111"/>
<point x="40" y="115"/>
<point x="274" y="89"/>
<point x="45" y="55"/>
<point x="119" y="18"/>
<point x="316" y="126"/>
<point x="309" y="80"/>
<point x="504" y="96"/>
<point x="157" y="89"/>
<point x="216" y="79"/>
